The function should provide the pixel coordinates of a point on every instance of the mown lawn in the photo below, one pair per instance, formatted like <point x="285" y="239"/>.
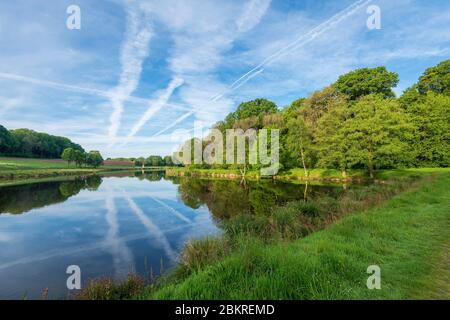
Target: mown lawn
<point x="407" y="237"/>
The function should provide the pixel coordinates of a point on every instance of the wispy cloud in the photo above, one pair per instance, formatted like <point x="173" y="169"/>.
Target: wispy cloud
<point x="122" y="256"/>
<point x="152" y="228"/>
<point x="134" y="50"/>
<point x="80" y="83"/>
<point x="294" y="45"/>
<point x="174" y="123"/>
<point x="253" y="11"/>
<point x="156" y="105"/>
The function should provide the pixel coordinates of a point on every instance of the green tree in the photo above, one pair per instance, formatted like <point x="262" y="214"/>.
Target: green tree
<point x="254" y="108"/>
<point x="7" y="142"/>
<point x="409" y="97"/>
<point x="68" y="155"/>
<point x="79" y="157"/>
<point x="94" y="159"/>
<point x="298" y="142"/>
<point x="430" y="143"/>
<point x="30" y="143"/>
<point x="365" y="81"/>
<point x="372" y="134"/>
<point x="320" y="103"/>
<point x="168" y="161"/>
<point x="155" y="161"/>
<point x="138" y="162"/>
<point x="436" y="79"/>
<point x="329" y="139"/>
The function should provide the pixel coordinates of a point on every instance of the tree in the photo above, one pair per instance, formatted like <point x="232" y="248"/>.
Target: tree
<point x="298" y="141"/>
<point x="320" y="103"/>
<point x="370" y="134"/>
<point x="155" y="161"/>
<point x="365" y="81"/>
<point x="168" y="161"/>
<point x="79" y="157"/>
<point x="28" y="143"/>
<point x="409" y="97"/>
<point x="436" y="79"/>
<point x="254" y="108"/>
<point x="329" y="139"/>
<point x="430" y="142"/>
<point x="7" y="142"/>
<point x="68" y="155"/>
<point x="94" y="159"/>
<point x="139" y="162"/>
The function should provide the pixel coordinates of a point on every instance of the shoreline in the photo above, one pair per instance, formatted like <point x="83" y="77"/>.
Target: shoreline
<point x="400" y="224"/>
<point x="297" y="174"/>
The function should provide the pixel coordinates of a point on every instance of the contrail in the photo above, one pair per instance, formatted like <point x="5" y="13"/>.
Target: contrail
<point x="302" y="40"/>
<point x="151" y="227"/>
<point x="175" y="212"/>
<point x="90" y="247"/>
<point x="173" y="124"/>
<point x="55" y="85"/>
<point x="155" y="107"/>
<point x="78" y="89"/>
<point x="252" y="14"/>
<point x="122" y="256"/>
<point x="134" y="51"/>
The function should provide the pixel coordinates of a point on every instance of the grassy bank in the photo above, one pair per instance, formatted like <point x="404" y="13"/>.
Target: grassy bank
<point x="19" y="170"/>
<point x="407" y="236"/>
<point x="298" y="174"/>
<point x="210" y="173"/>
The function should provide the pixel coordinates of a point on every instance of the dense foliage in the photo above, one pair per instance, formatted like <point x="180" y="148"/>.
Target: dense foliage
<point x="91" y="158"/>
<point x="357" y="122"/>
<point x="31" y="144"/>
<point x="154" y="161"/>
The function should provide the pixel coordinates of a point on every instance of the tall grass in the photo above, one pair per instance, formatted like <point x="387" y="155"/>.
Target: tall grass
<point x="110" y="289"/>
<point x="404" y="236"/>
<point x="292" y="221"/>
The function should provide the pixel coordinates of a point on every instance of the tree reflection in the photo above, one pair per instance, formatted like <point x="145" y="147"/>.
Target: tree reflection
<point x="23" y="198"/>
<point x="228" y="198"/>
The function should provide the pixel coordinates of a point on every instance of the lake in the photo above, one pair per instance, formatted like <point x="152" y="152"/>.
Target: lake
<point x="113" y="225"/>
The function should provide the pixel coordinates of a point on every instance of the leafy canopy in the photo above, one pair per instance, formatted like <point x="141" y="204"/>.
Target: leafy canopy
<point x="436" y="79"/>
<point x="365" y="81"/>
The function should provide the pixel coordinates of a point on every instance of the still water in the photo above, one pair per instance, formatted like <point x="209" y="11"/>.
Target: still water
<point x="111" y="226"/>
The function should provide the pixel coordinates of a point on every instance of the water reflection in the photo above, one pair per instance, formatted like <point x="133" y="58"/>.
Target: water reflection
<point x="23" y="198"/>
<point x="116" y="224"/>
<point x="228" y="198"/>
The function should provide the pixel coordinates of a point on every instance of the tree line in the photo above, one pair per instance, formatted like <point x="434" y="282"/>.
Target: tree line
<point x="80" y="158"/>
<point x="31" y="144"/>
<point x="154" y="161"/>
<point x="358" y="122"/>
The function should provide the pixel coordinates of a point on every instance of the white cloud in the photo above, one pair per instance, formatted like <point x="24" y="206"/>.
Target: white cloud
<point x="253" y="11"/>
<point x="134" y="50"/>
<point x="155" y="106"/>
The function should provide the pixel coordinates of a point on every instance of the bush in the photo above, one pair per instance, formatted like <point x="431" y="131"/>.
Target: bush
<point x="109" y="289"/>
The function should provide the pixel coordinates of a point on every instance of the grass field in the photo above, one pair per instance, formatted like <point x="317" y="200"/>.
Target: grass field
<point x="406" y="236"/>
<point x="12" y="164"/>
<point x="18" y="170"/>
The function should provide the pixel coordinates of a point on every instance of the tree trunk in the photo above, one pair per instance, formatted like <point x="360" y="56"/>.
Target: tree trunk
<point x="305" y="192"/>
<point x="303" y="161"/>
<point x="370" y="167"/>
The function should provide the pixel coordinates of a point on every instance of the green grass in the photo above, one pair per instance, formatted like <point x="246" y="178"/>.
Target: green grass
<point x="298" y="174"/>
<point x="407" y="236"/>
<point x="212" y="173"/>
<point x="19" y="170"/>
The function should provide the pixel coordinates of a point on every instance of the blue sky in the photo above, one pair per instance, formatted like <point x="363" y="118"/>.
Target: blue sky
<point x="138" y="74"/>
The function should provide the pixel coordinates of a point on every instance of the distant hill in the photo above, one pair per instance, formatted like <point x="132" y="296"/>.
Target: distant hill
<point x="31" y="144"/>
